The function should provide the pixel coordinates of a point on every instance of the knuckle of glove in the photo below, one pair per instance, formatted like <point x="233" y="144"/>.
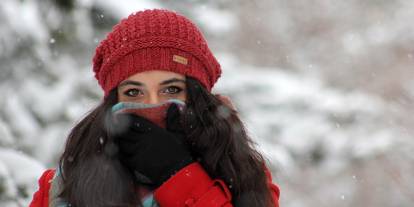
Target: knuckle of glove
<point x="127" y="147"/>
<point x="140" y="124"/>
<point x="131" y="121"/>
<point x="190" y="120"/>
<point x="174" y="119"/>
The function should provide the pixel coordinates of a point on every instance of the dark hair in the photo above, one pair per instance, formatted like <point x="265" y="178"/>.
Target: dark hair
<point x="92" y="176"/>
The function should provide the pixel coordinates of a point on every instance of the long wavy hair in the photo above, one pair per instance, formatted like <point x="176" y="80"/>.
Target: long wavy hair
<point x="93" y="176"/>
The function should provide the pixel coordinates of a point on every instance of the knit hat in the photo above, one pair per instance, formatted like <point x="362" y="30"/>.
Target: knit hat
<point x="154" y="40"/>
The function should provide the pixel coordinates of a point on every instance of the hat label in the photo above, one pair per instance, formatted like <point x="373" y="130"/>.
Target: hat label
<point x="180" y="59"/>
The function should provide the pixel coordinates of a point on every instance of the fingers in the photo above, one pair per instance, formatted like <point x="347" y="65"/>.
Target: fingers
<point x="125" y="121"/>
<point x="173" y="121"/>
<point x="129" y="147"/>
<point x="189" y="121"/>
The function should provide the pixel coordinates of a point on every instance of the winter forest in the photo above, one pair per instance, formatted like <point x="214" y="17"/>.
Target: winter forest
<point x="325" y="89"/>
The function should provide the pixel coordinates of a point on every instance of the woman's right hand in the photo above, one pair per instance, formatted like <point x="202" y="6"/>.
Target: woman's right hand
<point x="152" y="153"/>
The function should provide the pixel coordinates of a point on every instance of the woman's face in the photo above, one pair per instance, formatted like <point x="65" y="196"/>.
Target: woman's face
<point x="152" y="87"/>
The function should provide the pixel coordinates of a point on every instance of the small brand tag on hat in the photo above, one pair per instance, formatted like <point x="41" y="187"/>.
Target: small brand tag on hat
<point x="180" y="59"/>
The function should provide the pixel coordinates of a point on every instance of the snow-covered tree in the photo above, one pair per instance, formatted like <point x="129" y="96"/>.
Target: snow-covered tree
<point x="323" y="87"/>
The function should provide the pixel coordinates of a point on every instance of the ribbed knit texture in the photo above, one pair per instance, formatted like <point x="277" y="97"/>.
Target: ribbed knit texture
<point x="153" y="40"/>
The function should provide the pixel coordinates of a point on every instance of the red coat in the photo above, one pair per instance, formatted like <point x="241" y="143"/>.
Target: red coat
<point x="191" y="186"/>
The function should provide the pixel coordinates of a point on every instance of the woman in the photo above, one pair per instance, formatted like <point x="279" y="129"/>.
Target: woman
<point x="196" y="154"/>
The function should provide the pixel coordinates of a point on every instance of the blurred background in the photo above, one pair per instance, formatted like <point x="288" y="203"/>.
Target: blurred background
<point x="324" y="87"/>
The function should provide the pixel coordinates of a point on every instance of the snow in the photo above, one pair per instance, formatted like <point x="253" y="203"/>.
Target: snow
<point x="6" y="137"/>
<point x="325" y="145"/>
<point x="300" y="114"/>
<point x="28" y="19"/>
<point x="123" y="8"/>
<point x="21" y="121"/>
<point x="216" y="21"/>
<point x="19" y="174"/>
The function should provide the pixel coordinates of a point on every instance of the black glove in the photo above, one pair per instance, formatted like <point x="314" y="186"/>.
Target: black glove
<point x="190" y="122"/>
<point x="152" y="153"/>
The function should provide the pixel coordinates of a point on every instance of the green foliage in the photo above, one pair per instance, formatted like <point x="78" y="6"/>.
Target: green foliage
<point x="66" y="5"/>
<point x="2" y="186"/>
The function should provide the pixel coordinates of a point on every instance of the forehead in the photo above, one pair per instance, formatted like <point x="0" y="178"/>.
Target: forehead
<point x="155" y="75"/>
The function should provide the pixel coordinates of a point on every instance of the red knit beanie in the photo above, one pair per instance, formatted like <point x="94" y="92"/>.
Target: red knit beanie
<point x="154" y="40"/>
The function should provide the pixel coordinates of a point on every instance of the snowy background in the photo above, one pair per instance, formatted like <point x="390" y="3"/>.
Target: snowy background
<point x="324" y="87"/>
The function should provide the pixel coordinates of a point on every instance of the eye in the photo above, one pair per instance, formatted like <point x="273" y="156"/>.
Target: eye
<point x="132" y="92"/>
<point x="173" y="90"/>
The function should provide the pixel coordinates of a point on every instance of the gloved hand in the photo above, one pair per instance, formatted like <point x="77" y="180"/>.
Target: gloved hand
<point x="152" y="153"/>
<point x="192" y="124"/>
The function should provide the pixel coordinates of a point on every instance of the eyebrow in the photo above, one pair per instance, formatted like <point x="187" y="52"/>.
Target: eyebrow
<point x="172" y="80"/>
<point x="137" y="83"/>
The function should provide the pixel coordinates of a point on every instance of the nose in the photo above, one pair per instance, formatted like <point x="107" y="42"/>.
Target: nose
<point x="153" y="99"/>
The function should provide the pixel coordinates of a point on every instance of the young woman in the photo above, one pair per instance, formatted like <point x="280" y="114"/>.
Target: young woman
<point x="159" y="137"/>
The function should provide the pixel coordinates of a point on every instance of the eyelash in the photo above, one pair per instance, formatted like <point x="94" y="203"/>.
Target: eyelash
<point x="129" y="90"/>
<point x="178" y="90"/>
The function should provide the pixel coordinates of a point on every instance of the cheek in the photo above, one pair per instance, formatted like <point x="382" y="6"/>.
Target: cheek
<point x="121" y="99"/>
<point x="183" y="96"/>
<point x="119" y="96"/>
<point x="124" y="98"/>
<point x="180" y="96"/>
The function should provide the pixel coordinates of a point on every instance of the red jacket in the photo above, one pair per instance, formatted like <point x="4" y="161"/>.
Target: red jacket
<point x="191" y="186"/>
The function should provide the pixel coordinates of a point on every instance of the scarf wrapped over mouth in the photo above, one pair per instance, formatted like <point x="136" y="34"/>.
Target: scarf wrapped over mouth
<point x="156" y="113"/>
